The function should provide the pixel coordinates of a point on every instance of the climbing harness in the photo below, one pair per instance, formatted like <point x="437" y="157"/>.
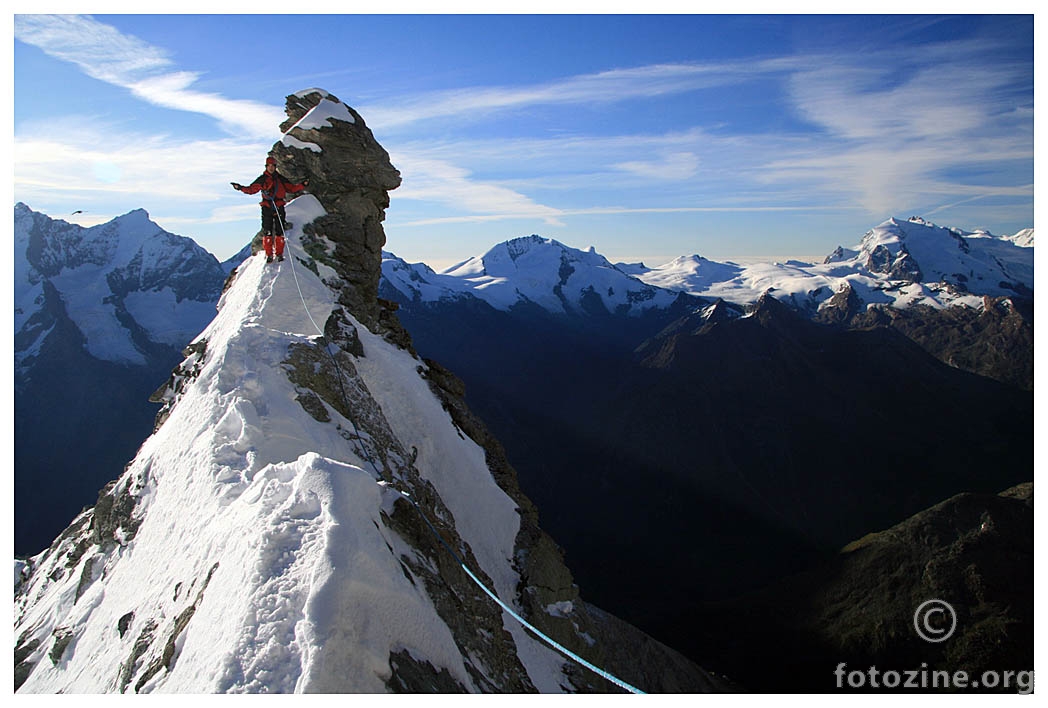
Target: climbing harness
<point x="454" y="554"/>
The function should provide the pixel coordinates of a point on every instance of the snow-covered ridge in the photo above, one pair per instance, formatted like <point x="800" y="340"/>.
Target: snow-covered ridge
<point x="898" y="263"/>
<point x="256" y="553"/>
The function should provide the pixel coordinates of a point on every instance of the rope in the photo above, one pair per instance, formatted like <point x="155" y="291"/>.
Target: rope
<point x="527" y="625"/>
<point x="327" y="344"/>
<point x="283" y="233"/>
<point x="477" y="581"/>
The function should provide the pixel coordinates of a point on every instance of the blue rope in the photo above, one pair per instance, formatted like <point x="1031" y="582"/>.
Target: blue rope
<point x="527" y="625"/>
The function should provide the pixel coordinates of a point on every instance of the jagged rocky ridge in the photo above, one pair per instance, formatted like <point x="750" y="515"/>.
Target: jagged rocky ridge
<point x="261" y="540"/>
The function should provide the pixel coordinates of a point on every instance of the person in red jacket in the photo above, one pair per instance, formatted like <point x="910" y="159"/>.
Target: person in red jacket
<point x="274" y="187"/>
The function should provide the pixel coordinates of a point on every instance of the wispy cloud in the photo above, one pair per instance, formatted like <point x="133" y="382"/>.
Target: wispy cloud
<point x="673" y="167"/>
<point x="104" y="53"/>
<point x="618" y="210"/>
<point x="110" y="166"/>
<point x="941" y="101"/>
<point x="602" y="87"/>
<point x="910" y="128"/>
<point x="100" y="50"/>
<point x="441" y="182"/>
<point x="887" y="130"/>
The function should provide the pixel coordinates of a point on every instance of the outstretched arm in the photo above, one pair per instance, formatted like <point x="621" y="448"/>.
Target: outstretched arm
<point x="252" y="188"/>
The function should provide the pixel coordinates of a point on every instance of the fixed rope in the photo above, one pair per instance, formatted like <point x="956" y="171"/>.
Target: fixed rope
<point x="327" y="344"/>
<point x="454" y="554"/>
<point x="513" y="613"/>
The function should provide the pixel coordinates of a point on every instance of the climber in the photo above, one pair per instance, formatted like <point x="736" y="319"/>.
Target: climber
<point x="274" y="187"/>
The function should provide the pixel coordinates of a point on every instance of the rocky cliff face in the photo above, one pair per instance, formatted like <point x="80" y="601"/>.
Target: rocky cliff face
<point x="995" y="341"/>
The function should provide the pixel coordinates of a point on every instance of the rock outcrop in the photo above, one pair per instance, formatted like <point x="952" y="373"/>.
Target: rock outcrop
<point x="351" y="175"/>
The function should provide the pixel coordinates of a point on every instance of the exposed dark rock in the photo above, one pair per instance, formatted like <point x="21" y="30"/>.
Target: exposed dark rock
<point x="351" y="175"/>
<point x="409" y="675"/>
<point x="24" y="649"/>
<point x="62" y="637"/>
<point x="114" y="513"/>
<point x="124" y="623"/>
<point x="841" y="308"/>
<point x="166" y="658"/>
<point x="181" y="375"/>
<point x="995" y="341"/>
<point x="142" y="644"/>
<point x="899" y="266"/>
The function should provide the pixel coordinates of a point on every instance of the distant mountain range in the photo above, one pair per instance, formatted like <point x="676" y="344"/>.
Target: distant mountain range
<point x="898" y="263"/>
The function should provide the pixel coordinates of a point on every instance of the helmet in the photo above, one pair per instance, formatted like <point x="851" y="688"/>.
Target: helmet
<point x="271" y="161"/>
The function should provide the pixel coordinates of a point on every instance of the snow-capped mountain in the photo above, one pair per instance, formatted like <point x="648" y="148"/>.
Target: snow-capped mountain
<point x="898" y="263"/>
<point x="127" y="285"/>
<point x="1024" y="238"/>
<point x="101" y="316"/>
<point x="531" y="270"/>
<point x="317" y="510"/>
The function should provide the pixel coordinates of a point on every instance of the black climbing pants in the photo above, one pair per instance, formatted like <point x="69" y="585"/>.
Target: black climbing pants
<point x="270" y="225"/>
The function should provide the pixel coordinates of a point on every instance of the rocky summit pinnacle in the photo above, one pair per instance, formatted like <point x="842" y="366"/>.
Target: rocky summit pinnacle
<point x="351" y="175"/>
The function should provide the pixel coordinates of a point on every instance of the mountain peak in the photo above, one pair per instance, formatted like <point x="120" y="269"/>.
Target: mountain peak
<point x="135" y="215"/>
<point x="536" y="270"/>
<point x="111" y="279"/>
<point x="524" y="244"/>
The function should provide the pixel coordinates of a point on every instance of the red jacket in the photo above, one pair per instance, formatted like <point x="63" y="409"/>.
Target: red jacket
<point x="275" y="186"/>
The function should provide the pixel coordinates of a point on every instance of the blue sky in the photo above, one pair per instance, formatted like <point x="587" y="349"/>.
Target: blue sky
<point x="647" y="137"/>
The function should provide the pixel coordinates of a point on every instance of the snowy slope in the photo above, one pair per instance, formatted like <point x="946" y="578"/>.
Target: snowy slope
<point x="250" y="547"/>
<point x="534" y="270"/>
<point x="1024" y="238"/>
<point x="116" y="281"/>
